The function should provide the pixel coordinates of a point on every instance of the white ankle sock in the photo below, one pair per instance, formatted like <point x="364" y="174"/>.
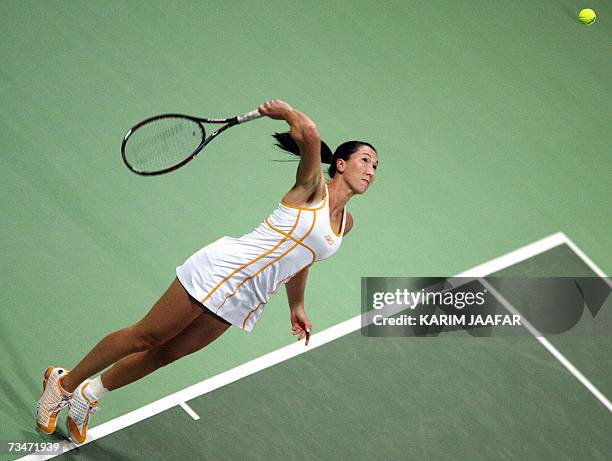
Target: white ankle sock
<point x="95" y="389"/>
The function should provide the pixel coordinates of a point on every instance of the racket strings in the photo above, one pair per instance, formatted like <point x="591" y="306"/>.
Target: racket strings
<point x="163" y="143"/>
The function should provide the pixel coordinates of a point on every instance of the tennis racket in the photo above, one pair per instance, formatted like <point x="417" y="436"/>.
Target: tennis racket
<point x="166" y="142"/>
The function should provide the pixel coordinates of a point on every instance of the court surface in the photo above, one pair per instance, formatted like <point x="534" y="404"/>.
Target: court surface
<point x="354" y="397"/>
<point x="492" y="126"/>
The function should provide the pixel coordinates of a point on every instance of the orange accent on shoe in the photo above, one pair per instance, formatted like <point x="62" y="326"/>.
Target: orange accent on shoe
<point x="49" y="428"/>
<point x="77" y="436"/>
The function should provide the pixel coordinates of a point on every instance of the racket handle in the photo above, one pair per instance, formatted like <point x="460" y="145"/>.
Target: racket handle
<point x="249" y="116"/>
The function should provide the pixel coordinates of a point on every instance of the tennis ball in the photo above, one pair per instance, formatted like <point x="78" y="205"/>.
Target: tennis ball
<point x="587" y="16"/>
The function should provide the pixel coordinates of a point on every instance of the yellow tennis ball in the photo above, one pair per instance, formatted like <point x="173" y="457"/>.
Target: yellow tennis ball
<point x="587" y="16"/>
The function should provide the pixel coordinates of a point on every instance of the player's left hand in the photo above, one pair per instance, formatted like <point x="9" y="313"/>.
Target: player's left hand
<point x="300" y="325"/>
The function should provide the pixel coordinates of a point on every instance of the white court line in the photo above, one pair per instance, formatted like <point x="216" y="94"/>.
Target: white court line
<point x="189" y="410"/>
<point x="582" y="255"/>
<point x="494" y="265"/>
<point x="552" y="349"/>
<point x="290" y="351"/>
<point x="516" y="256"/>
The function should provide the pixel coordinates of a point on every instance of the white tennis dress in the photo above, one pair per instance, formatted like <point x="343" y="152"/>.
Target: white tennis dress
<point x="234" y="277"/>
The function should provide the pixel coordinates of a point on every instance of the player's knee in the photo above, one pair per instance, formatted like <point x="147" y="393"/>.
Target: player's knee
<point x="163" y="356"/>
<point x="143" y="340"/>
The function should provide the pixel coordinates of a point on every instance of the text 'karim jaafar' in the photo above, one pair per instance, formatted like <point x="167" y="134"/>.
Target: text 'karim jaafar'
<point x="458" y="300"/>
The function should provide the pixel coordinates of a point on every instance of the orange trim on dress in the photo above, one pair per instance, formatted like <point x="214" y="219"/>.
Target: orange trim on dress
<point x="314" y="254"/>
<point x="342" y="222"/>
<point x="297" y="219"/>
<point x="278" y="258"/>
<point x="252" y="311"/>
<point x="308" y="209"/>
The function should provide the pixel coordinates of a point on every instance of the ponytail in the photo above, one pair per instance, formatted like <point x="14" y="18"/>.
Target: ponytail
<point x="344" y="150"/>
<point x="286" y="143"/>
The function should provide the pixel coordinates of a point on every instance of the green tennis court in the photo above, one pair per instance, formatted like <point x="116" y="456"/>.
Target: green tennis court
<point x="492" y="126"/>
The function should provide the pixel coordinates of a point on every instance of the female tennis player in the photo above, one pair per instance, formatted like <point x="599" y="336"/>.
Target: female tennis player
<point x="229" y="281"/>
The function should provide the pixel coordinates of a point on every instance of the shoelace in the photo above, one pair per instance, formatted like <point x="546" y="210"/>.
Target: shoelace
<point x="59" y="406"/>
<point x="62" y="403"/>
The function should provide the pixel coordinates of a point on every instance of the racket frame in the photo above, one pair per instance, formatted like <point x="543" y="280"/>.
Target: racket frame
<point x="229" y="122"/>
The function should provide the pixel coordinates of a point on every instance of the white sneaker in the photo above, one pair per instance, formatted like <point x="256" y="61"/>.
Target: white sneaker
<point x="81" y="408"/>
<point x="52" y="399"/>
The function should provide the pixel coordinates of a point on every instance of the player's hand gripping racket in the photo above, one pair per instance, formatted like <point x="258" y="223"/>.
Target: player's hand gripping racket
<point x="166" y="142"/>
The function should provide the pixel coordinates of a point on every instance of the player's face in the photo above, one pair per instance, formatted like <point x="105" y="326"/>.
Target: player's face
<point x="360" y="170"/>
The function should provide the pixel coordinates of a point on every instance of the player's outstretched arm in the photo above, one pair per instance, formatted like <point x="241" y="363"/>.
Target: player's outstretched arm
<point x="300" y="323"/>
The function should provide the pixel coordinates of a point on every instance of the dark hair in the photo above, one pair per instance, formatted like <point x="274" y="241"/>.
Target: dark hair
<point x="343" y="151"/>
